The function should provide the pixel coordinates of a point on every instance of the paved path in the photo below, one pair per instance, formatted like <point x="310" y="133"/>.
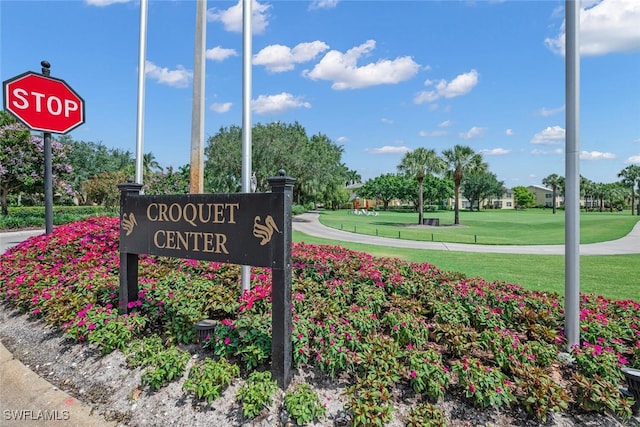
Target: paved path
<point x="308" y="223"/>
<point x="28" y="400"/>
<point x="12" y="238"/>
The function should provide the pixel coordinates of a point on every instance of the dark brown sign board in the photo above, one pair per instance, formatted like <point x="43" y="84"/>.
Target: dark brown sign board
<point x="232" y="228"/>
<point x="242" y="228"/>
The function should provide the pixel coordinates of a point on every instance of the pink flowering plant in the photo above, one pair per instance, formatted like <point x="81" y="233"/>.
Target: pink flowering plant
<point x="483" y="384"/>
<point x="428" y="374"/>
<point x="388" y="326"/>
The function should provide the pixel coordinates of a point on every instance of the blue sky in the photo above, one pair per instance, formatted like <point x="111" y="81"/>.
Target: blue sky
<point x="379" y="78"/>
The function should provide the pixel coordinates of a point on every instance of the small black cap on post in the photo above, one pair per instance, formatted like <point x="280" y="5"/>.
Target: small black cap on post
<point x="281" y="182"/>
<point x="46" y="68"/>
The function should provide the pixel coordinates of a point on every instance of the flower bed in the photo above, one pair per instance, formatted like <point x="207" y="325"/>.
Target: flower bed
<point x="388" y="326"/>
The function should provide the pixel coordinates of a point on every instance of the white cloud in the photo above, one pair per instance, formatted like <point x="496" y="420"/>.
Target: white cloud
<point x="633" y="160"/>
<point x="389" y="149"/>
<point x="460" y="85"/>
<point x="343" y="70"/>
<point x="266" y="104"/>
<point x="278" y="58"/>
<point x="101" y="3"/>
<point x="221" y="107"/>
<point x="432" y="133"/>
<point x="550" y="136"/>
<point x="605" y="26"/>
<point x="474" y="132"/>
<point x="509" y="132"/>
<point x="323" y="4"/>
<point x="342" y="139"/>
<point x="494" y="151"/>
<point x="232" y="18"/>
<point x="445" y="124"/>
<point x="219" y="53"/>
<point x="546" y="112"/>
<point x="545" y="152"/>
<point x="596" y="155"/>
<point x="386" y="121"/>
<point x="180" y="77"/>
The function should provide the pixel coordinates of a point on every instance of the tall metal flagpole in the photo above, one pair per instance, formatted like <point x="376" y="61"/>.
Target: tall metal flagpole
<point x="572" y="172"/>
<point x="142" y="55"/>
<point x="197" y="105"/>
<point x="246" y="116"/>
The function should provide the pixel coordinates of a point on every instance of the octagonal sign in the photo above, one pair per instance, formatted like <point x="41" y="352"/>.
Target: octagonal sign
<point x="43" y="103"/>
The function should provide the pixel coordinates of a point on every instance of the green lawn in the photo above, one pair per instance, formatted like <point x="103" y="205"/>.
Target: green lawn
<point x="491" y="227"/>
<point x="612" y="276"/>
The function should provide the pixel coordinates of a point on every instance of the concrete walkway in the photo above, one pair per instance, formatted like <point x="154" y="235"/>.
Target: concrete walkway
<point x="28" y="400"/>
<point x="309" y="223"/>
<point x="12" y="238"/>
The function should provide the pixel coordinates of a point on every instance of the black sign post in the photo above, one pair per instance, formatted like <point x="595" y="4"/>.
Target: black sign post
<point x="242" y="228"/>
<point x="281" y="322"/>
<point x="128" y="261"/>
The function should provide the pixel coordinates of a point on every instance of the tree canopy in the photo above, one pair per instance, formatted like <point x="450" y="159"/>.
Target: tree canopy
<point x="480" y="185"/>
<point x="89" y="159"/>
<point x="314" y="162"/>
<point x="386" y="187"/>
<point x="523" y="197"/>
<point x="22" y="161"/>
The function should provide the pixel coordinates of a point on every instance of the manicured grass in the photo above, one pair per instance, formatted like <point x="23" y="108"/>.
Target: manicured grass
<point x="613" y="276"/>
<point x="491" y="227"/>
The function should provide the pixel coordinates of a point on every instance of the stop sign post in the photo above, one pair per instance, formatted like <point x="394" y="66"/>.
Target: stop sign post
<point x="49" y="105"/>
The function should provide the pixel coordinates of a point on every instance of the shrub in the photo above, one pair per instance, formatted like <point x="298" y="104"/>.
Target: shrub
<point x="427" y="374"/>
<point x="426" y="415"/>
<point x="257" y="393"/>
<point x="166" y="366"/>
<point x="298" y="209"/>
<point x="208" y="379"/>
<point x="484" y="385"/>
<point x="303" y="405"/>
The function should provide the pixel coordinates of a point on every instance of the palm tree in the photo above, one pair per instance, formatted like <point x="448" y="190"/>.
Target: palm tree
<point x="461" y="160"/>
<point x="353" y="177"/>
<point x="150" y="164"/>
<point x="599" y="193"/>
<point x="629" y="176"/>
<point x="419" y="163"/>
<point x="587" y="187"/>
<point x="554" y="181"/>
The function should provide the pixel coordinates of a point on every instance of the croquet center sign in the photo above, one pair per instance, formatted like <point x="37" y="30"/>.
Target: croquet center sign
<point x="242" y="228"/>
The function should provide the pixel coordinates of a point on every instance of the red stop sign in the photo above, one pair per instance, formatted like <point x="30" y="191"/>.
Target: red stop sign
<point x="43" y="103"/>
